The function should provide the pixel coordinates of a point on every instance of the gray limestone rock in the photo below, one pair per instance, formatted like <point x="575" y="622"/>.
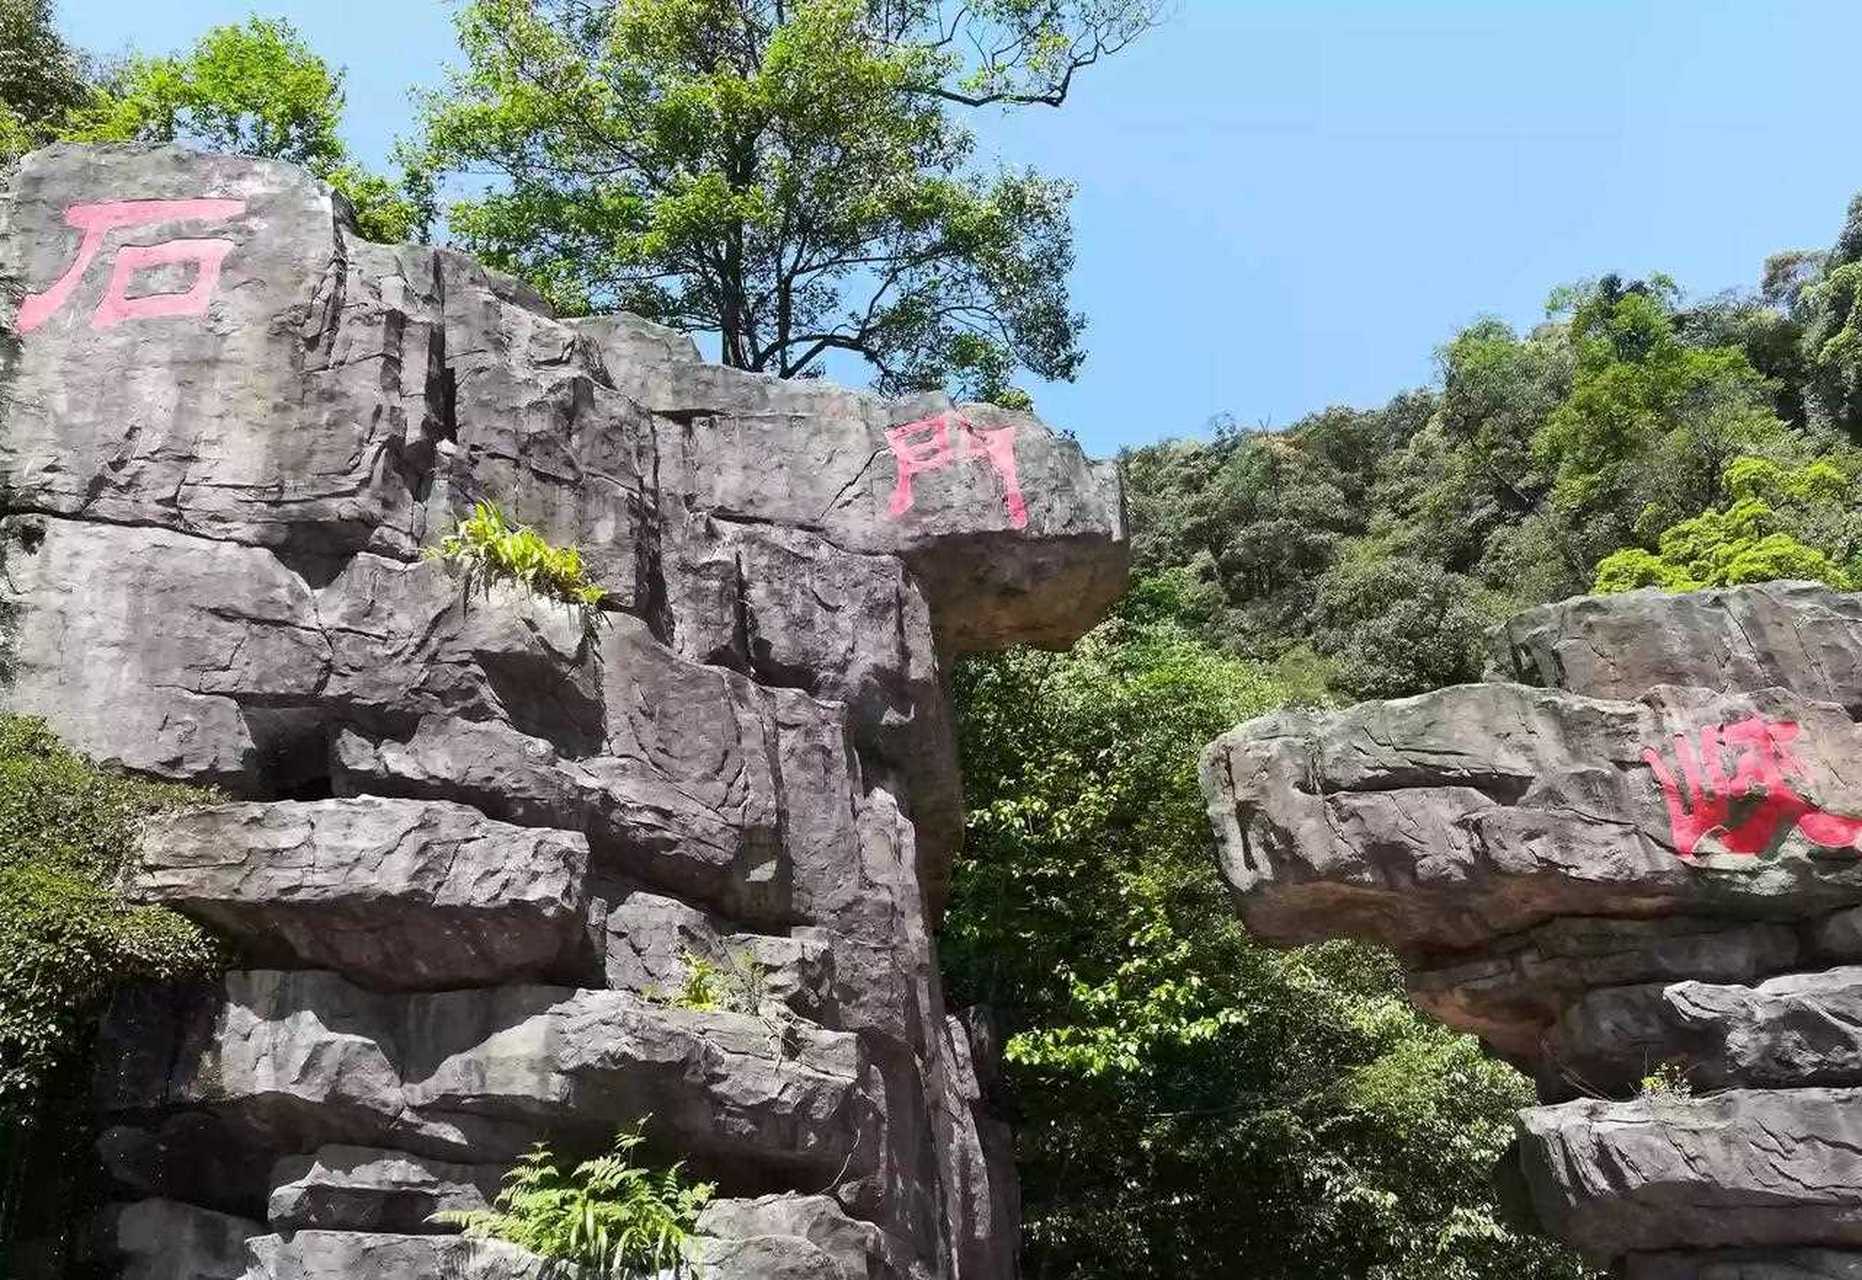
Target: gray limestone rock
<point x="1800" y="636"/>
<point x="352" y="1255"/>
<point x="852" y="1250"/>
<point x="167" y="1240"/>
<point x="303" y="1060"/>
<point x="1512" y="993"/>
<point x="1739" y="1264"/>
<point x="1642" y="855"/>
<point x="1797" y="1029"/>
<point x="395" y="894"/>
<point x="1742" y="1169"/>
<point x="367" y="1189"/>
<point x="228" y="427"/>
<point x="1445" y="822"/>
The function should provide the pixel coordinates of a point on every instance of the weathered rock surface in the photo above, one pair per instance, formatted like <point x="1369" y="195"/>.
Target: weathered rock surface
<point x="1642" y="858"/>
<point x="351" y="1255"/>
<point x="1799" y="636"/>
<point x="299" y="1060"/>
<point x="168" y="1240"/>
<point x="1796" y="1029"/>
<point x="366" y="1189"/>
<point x="473" y="837"/>
<point x="401" y="895"/>
<point x="1743" y="1168"/>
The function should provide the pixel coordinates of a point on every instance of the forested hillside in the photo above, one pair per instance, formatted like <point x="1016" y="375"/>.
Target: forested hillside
<point x="1193" y="1105"/>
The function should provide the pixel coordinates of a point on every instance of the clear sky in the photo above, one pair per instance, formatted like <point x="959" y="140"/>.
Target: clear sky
<point x="1286" y="204"/>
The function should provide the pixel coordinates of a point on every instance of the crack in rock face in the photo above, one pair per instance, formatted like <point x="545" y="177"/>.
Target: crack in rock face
<point x="469" y="838"/>
<point x="1631" y="863"/>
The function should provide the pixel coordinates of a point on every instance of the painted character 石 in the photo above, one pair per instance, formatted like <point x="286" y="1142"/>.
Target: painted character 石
<point x="97" y="221"/>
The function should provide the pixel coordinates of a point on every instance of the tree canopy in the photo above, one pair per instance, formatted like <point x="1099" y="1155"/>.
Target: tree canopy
<point x="255" y="88"/>
<point x="787" y="176"/>
<point x="43" y="80"/>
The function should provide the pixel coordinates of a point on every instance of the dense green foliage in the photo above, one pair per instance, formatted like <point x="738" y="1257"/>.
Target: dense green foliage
<point x="788" y="176"/>
<point x="67" y="939"/>
<point x="1191" y="1103"/>
<point x="42" y="79"/>
<point x="254" y="88"/>
<point x="617" y="1219"/>
<point x="1800" y="522"/>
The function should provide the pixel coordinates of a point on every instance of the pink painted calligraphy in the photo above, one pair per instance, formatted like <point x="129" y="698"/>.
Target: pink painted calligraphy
<point x="927" y="445"/>
<point x="1755" y="809"/>
<point x="96" y="221"/>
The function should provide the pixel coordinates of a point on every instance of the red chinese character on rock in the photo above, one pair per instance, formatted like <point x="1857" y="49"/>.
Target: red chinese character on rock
<point x="96" y="221"/>
<point x="1758" y="807"/>
<point x="926" y="445"/>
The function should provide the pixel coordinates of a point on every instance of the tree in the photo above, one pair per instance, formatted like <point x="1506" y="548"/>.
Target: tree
<point x="1193" y="1105"/>
<point x="1650" y="422"/>
<point x="1833" y="328"/>
<point x="257" y="89"/>
<point x="42" y="79"/>
<point x="1782" y="522"/>
<point x="786" y="174"/>
<point x="68" y="937"/>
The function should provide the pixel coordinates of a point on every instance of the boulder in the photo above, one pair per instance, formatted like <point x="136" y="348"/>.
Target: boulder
<point x="167" y="1240"/>
<point x="1747" y="1168"/>
<point x="1800" y="636"/>
<point x="1445" y="822"/>
<point x="394" y="894"/>
<point x="366" y="1189"/>
<point x="1795" y="1029"/>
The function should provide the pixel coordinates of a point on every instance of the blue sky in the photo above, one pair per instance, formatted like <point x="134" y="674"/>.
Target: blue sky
<point x="1286" y="204"/>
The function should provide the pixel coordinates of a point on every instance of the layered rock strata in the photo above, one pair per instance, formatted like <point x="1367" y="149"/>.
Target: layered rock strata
<point x="1631" y="862"/>
<point x="474" y="840"/>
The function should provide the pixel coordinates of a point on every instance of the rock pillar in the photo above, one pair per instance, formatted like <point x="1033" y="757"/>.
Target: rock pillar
<point x="1631" y="863"/>
<point x="472" y="839"/>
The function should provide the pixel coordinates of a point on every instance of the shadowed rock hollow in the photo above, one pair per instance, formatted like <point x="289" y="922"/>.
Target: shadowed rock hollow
<point x="472" y="840"/>
<point x="1635" y="852"/>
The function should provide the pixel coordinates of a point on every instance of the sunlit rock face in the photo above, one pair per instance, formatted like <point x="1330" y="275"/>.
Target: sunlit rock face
<point x="471" y="835"/>
<point x="1635" y="852"/>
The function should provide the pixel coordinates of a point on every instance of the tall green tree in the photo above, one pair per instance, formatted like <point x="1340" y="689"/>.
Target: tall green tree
<point x="256" y="88"/>
<point x="1193" y="1105"/>
<point x="43" y="80"/>
<point x="1645" y="433"/>
<point x="1833" y="330"/>
<point x="789" y="175"/>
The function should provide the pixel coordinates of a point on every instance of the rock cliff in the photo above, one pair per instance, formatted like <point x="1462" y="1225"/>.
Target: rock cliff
<point x="1631" y="862"/>
<point x="471" y="839"/>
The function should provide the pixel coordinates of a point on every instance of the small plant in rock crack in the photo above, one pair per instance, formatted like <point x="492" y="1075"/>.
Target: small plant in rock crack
<point x="740" y="984"/>
<point x="617" y="1219"/>
<point x="1668" y="1080"/>
<point x="486" y="545"/>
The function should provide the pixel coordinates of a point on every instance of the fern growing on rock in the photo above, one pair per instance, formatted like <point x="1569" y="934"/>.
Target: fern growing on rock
<point x="488" y="546"/>
<point x="617" y="1219"/>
